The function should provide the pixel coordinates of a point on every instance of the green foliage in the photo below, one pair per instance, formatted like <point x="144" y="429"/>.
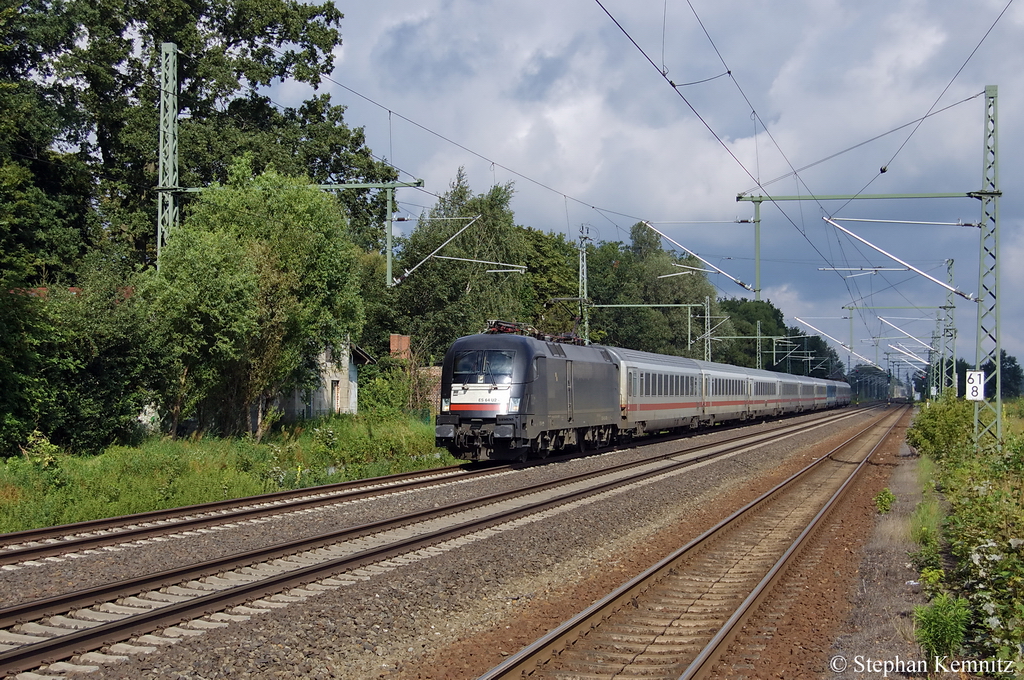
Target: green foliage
<point x="46" y="487"/>
<point x="20" y="328"/>
<point x="253" y="287"/>
<point x="85" y="362"/>
<point x="944" y="430"/>
<point x="385" y="388"/>
<point x="553" y="273"/>
<point x="86" y="73"/>
<point x="985" y="527"/>
<point x="621" y="274"/>
<point x="942" y="625"/>
<point x="926" y="531"/>
<point x="1012" y="376"/>
<point x="445" y="299"/>
<point x="78" y="151"/>
<point x="46" y="216"/>
<point x="745" y="315"/>
<point x="204" y="306"/>
<point x="931" y="580"/>
<point x="884" y="500"/>
<point x="311" y="140"/>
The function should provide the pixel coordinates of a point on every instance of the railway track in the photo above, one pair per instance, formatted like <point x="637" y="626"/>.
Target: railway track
<point x="37" y="544"/>
<point x="674" y="620"/>
<point x="215" y="592"/>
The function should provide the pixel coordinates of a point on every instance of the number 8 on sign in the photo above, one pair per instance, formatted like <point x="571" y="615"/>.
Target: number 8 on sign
<point x="976" y="385"/>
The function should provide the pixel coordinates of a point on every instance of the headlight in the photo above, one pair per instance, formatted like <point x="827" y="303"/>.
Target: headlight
<point x="513" y="405"/>
<point x="446" y="405"/>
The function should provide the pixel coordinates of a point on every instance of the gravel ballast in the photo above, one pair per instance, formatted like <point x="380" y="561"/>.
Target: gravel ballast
<point x="399" y="622"/>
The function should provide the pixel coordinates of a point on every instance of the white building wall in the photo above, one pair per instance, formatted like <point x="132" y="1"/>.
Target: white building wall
<point x="336" y="393"/>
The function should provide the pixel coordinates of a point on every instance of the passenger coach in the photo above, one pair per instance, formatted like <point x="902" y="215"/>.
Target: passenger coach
<point x="509" y="395"/>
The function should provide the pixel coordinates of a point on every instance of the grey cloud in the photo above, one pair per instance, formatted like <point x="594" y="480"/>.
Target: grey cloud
<point x="417" y="55"/>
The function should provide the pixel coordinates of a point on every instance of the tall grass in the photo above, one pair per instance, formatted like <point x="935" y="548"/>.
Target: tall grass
<point x="45" y="487"/>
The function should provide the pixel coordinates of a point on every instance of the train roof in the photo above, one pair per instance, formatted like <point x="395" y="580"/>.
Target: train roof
<point x="638" y="357"/>
<point x="602" y="352"/>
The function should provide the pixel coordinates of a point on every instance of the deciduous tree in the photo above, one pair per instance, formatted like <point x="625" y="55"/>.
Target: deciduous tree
<point x="260" y="280"/>
<point x="445" y="299"/>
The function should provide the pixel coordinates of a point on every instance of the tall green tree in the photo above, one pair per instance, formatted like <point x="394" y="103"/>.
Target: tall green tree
<point x="553" y="272"/>
<point x="45" y="193"/>
<point x="83" y="363"/>
<point x="631" y="275"/>
<point x="745" y="315"/>
<point x="445" y="299"/>
<point x="98" y="62"/>
<point x="260" y="280"/>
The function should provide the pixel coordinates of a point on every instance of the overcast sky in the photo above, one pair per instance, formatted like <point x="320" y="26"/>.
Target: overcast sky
<point x="555" y="97"/>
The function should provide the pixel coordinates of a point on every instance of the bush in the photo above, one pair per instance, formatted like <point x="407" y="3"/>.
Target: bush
<point x="926" y="531"/>
<point x="944" y="430"/>
<point x="985" y="527"/>
<point x="931" y="580"/>
<point x="884" y="500"/>
<point x="942" y="625"/>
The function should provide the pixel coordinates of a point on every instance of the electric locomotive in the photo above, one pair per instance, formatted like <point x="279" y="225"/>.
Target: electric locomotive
<point x="511" y="393"/>
<point x="506" y="396"/>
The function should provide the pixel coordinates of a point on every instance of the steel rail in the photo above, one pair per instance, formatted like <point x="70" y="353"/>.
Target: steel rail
<point x="65" y="538"/>
<point x="701" y="666"/>
<point x="64" y="646"/>
<point x="534" y="655"/>
<point x="135" y="527"/>
<point x="59" y="604"/>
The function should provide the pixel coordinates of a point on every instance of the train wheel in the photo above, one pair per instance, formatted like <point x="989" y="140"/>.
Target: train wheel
<point x="538" y="447"/>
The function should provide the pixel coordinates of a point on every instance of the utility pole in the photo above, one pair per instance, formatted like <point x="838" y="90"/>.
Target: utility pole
<point x="167" y="163"/>
<point x="584" y="306"/>
<point x="759" y="366"/>
<point x="707" y="328"/>
<point x="390" y="187"/>
<point x="168" y="189"/>
<point x="948" y="380"/>
<point x="988" y="414"/>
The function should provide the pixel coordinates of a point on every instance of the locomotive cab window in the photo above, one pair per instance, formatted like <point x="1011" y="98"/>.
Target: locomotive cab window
<point x="493" y="366"/>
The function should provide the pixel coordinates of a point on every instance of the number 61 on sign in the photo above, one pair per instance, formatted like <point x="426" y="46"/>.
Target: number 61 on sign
<point x="975" y="385"/>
